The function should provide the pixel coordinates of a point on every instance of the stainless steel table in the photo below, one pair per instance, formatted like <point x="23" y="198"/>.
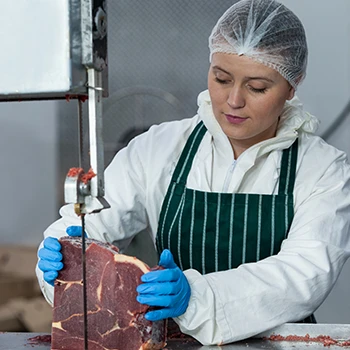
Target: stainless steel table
<point x="20" y="341"/>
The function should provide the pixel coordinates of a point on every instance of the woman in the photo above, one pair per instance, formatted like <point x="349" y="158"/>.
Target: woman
<point x="248" y="208"/>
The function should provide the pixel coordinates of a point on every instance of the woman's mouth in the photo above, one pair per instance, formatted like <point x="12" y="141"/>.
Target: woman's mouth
<point x="235" y="119"/>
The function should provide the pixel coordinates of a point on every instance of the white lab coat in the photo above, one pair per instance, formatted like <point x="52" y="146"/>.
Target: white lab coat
<point x="239" y="303"/>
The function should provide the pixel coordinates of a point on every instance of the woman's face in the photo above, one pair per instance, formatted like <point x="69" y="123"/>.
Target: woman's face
<point x="247" y="99"/>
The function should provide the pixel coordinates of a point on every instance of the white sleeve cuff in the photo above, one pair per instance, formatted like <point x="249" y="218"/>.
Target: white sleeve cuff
<point x="199" y="320"/>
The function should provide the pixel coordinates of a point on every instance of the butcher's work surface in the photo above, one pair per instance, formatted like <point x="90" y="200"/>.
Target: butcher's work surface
<point x="20" y="341"/>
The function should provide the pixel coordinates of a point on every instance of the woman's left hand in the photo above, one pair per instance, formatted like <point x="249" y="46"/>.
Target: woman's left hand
<point x="168" y="289"/>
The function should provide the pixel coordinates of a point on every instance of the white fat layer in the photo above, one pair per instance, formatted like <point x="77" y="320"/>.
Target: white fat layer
<point x="131" y="260"/>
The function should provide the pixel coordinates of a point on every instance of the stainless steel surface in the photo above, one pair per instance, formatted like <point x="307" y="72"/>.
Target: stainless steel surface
<point x="335" y="331"/>
<point x="90" y="196"/>
<point x="48" y="58"/>
<point x="19" y="341"/>
<point x="95" y="129"/>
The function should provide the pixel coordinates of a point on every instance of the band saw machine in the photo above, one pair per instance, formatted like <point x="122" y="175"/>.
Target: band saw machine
<point x="57" y="49"/>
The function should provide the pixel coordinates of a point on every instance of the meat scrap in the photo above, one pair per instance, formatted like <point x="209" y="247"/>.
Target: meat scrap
<point x="174" y="332"/>
<point x="84" y="177"/>
<point x="74" y="172"/>
<point x="115" y="319"/>
<point x="326" y="340"/>
<point x="81" y="98"/>
<point x="88" y="176"/>
<point x="39" y="339"/>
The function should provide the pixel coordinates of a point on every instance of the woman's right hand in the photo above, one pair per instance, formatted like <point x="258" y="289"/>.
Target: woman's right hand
<point x="50" y="255"/>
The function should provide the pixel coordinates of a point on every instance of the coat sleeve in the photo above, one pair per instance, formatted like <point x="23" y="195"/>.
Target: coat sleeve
<point x="236" y="304"/>
<point x="125" y="191"/>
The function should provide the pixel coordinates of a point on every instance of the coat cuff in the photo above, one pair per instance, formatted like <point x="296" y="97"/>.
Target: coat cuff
<point x="199" y="320"/>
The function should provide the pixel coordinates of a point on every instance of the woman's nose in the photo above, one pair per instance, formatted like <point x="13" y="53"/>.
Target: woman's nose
<point x="236" y="98"/>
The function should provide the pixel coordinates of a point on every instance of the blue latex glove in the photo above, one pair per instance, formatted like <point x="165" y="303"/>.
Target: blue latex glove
<point x="168" y="289"/>
<point x="50" y="261"/>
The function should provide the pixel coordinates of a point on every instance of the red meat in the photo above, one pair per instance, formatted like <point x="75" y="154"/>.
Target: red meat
<point x="115" y="319"/>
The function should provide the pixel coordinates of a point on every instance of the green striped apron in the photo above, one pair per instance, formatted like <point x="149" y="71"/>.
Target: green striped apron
<point x="210" y="231"/>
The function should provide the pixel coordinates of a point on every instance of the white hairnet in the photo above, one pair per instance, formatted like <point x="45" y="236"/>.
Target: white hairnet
<point x="265" y="31"/>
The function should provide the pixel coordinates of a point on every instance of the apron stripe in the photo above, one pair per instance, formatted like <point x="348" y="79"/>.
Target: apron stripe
<point x="245" y="229"/>
<point x="286" y="215"/>
<point x="217" y="233"/>
<point x="232" y="211"/>
<point x="191" y="232"/>
<point x="174" y="219"/>
<point x="294" y="151"/>
<point x="165" y="217"/>
<point x="273" y="225"/>
<point x="179" y="232"/>
<point x="259" y="229"/>
<point x="204" y="231"/>
<point x="288" y="172"/>
<point x="288" y="169"/>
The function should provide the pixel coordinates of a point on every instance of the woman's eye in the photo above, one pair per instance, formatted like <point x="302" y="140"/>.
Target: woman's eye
<point x="221" y="81"/>
<point x="258" y="91"/>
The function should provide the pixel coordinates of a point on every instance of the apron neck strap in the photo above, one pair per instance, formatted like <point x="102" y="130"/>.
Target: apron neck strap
<point x="186" y="159"/>
<point x="288" y="169"/>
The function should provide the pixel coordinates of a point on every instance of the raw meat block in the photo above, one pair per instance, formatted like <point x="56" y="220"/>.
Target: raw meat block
<point x="115" y="319"/>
